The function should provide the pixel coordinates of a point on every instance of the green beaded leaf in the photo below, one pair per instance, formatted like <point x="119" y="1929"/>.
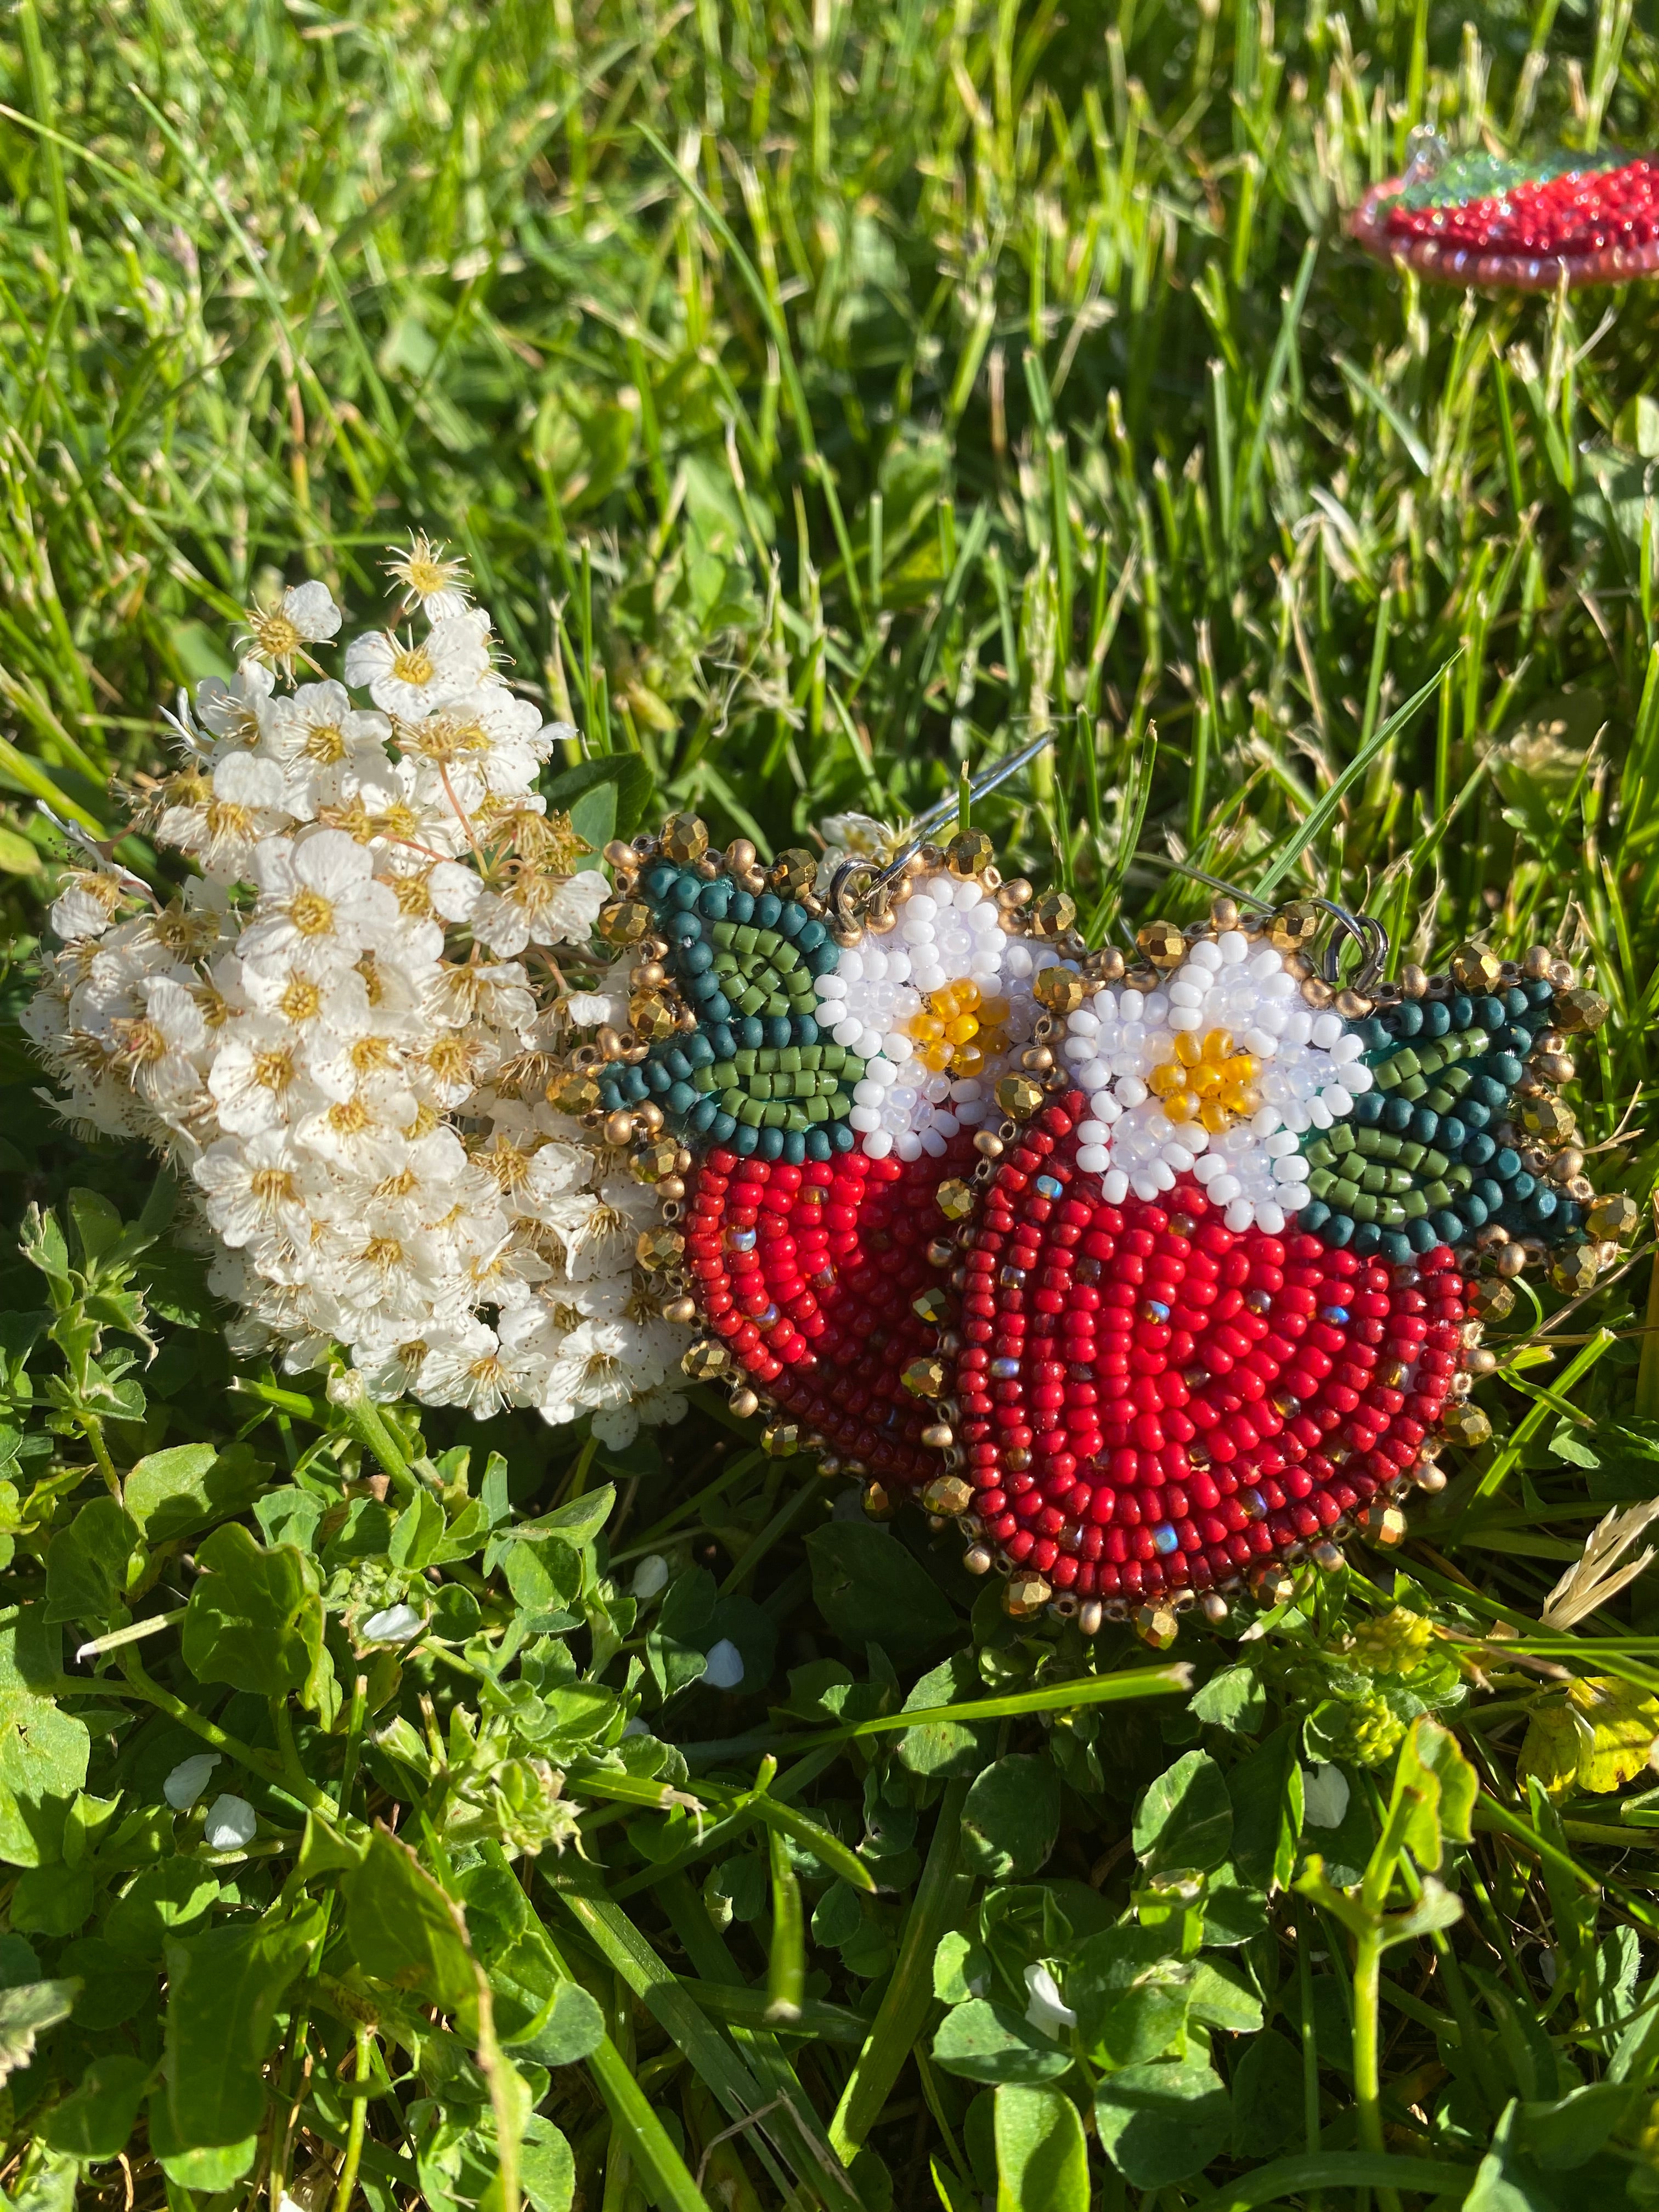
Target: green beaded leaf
<point x="1463" y="178"/>
<point x="757" y="1074"/>
<point x="1426" y="1156"/>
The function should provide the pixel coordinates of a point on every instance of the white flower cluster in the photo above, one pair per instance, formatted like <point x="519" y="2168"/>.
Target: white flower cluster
<point x="887" y="994"/>
<point x="342" y="1031"/>
<point x="1264" y="1067"/>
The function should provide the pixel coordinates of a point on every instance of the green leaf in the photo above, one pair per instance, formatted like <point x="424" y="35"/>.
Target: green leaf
<point x="255" y="1617"/>
<point x="26" y="2011"/>
<point x="547" y="2167"/>
<point x="1043" y="2160"/>
<point x="168" y="1900"/>
<point x="87" y="1562"/>
<point x="1184" y="1820"/>
<point x="223" y="1989"/>
<point x="1267" y="2086"/>
<point x="1433" y="1769"/>
<point x="173" y="1493"/>
<point x="1221" y="1997"/>
<point x="871" y="1591"/>
<point x="943" y="1747"/>
<point x="404" y="1929"/>
<point x="562" y="2026"/>
<point x="52" y="1901"/>
<point x="1163" y="2123"/>
<point x="94" y="2120"/>
<point x="1130" y="1988"/>
<point x="607" y="796"/>
<point x="1012" y="1817"/>
<point x="986" y="2042"/>
<point x="44" y="1753"/>
<point x="1233" y="1699"/>
<point x="1265" y="1789"/>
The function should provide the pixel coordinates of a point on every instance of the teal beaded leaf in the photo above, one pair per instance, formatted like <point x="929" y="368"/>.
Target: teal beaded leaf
<point x="757" y="1074"/>
<point x="1425" y="1160"/>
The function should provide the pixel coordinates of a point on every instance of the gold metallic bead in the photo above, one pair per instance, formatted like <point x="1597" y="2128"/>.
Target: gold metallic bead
<point x="1326" y="1557"/>
<point x="1317" y="992"/>
<point x="1480" y="1361"/>
<point x="1553" y="1066"/>
<point x="649" y="1116"/>
<point x="680" y="1309"/>
<point x="1019" y="1096"/>
<point x="794" y="872"/>
<point x="947" y="1494"/>
<point x="1429" y="1477"/>
<point x="977" y="1559"/>
<point x="1213" y="1606"/>
<point x="934" y="1305"/>
<point x="1273" y="1585"/>
<point x="1566" y="1164"/>
<point x="1384" y="1525"/>
<point x="925" y="1377"/>
<point x="1613" y="1216"/>
<point x="651" y="1016"/>
<point x="624" y="921"/>
<point x="1223" y="911"/>
<point x="1295" y="927"/>
<point x="1015" y="892"/>
<point x="609" y="1043"/>
<point x="1161" y="943"/>
<point x="706" y="1360"/>
<point x="1511" y="1260"/>
<point x="621" y="855"/>
<point x="684" y="838"/>
<point x="1062" y="990"/>
<point x="1466" y="1425"/>
<point x="1579" y="1011"/>
<point x="649" y="975"/>
<point x="1351" y="1006"/>
<point x="987" y="1143"/>
<point x="1037" y="1059"/>
<point x="1549" y="1119"/>
<point x="1536" y="965"/>
<point x="1474" y="968"/>
<point x="740" y="856"/>
<point x="659" y="1248"/>
<point x="745" y="1402"/>
<point x="1574" y="1268"/>
<point x="576" y="1093"/>
<point x="672" y="1187"/>
<point x="970" y="854"/>
<point x="938" y="1435"/>
<point x="1564" y="975"/>
<point x="1052" y="913"/>
<point x="1106" y="966"/>
<point x="1026" y="1594"/>
<point x="1156" y="1624"/>
<point x="781" y="1439"/>
<point x="879" y="1502"/>
<point x="656" y="1161"/>
<point x="618" y="1126"/>
<point x="941" y="1252"/>
<point x="1090" y="1614"/>
<point x="955" y="1199"/>
<point x="1413" y="980"/>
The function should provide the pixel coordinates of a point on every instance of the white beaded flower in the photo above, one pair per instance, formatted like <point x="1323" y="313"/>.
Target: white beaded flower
<point x="934" y="1007"/>
<point x="1218" y="1074"/>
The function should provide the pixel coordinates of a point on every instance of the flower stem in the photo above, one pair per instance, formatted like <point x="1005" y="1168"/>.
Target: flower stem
<point x="354" y="2150"/>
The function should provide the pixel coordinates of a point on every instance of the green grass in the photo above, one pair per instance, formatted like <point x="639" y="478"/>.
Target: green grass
<point x="826" y="398"/>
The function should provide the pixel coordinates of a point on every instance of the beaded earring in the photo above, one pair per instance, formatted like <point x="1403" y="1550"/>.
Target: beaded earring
<point x="1522" y="225"/>
<point x="1155" y="1273"/>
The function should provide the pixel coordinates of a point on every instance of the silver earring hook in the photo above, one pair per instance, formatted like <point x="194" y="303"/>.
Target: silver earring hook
<point x="845" y="886"/>
<point x="1366" y="931"/>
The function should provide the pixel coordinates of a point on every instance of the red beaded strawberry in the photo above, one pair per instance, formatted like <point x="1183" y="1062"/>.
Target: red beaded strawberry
<point x="1153" y="1273"/>
<point x="1475" y="219"/>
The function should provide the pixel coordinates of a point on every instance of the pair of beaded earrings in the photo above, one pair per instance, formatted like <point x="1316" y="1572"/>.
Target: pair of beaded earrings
<point x="1157" y="1273"/>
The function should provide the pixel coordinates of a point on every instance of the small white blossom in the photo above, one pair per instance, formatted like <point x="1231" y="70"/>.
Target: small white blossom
<point x="397" y="1624"/>
<point x="724" y="1667"/>
<point x="1047" y="2011"/>
<point x="1325" y="1791"/>
<point x="189" y="1779"/>
<point x="230" y="1823"/>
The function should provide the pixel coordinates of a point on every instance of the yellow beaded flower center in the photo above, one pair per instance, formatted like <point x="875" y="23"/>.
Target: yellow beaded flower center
<point x="958" y="1028"/>
<point x="1211" y="1083"/>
